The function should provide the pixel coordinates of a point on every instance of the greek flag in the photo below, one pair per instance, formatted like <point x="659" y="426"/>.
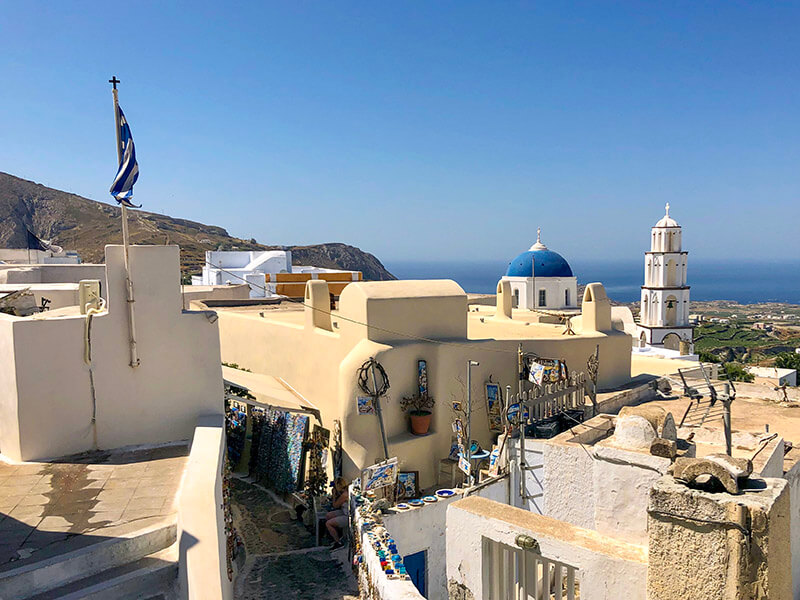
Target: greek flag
<point x="128" y="173"/>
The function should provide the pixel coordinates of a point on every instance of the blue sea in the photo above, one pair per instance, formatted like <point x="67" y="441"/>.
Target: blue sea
<point x="744" y="282"/>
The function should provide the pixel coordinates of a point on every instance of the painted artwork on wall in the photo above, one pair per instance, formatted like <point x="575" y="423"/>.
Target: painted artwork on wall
<point x="366" y="405"/>
<point x="545" y="370"/>
<point x="494" y="406"/>
<point x="407" y="484"/>
<point x="422" y="374"/>
<point x="494" y="462"/>
<point x="458" y="429"/>
<point x="379" y="475"/>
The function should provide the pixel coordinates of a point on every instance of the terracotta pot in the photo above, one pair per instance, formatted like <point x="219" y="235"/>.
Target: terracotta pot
<point x="420" y="422"/>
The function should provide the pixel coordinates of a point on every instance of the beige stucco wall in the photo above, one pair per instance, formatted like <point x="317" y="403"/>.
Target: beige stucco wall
<point x="323" y="364"/>
<point x="198" y="293"/>
<point x="179" y="377"/>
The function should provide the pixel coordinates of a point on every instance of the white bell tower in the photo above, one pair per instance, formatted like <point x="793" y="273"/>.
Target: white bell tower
<point x="664" y="308"/>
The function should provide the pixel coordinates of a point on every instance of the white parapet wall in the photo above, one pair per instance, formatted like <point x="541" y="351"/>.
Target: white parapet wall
<point x="50" y="405"/>
<point x="373" y="582"/>
<point x="606" y="568"/>
<point x="201" y="521"/>
<point x="423" y="530"/>
<point x="419" y="529"/>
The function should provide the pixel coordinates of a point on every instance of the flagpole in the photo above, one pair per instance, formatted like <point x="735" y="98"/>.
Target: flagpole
<point x="128" y="283"/>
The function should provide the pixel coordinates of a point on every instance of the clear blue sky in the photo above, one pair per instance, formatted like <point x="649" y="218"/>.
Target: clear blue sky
<point x="423" y="130"/>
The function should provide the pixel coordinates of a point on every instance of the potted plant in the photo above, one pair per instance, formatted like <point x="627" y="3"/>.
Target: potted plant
<point x="418" y="408"/>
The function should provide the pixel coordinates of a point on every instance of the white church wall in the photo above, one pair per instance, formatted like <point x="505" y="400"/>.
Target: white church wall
<point x="555" y="288"/>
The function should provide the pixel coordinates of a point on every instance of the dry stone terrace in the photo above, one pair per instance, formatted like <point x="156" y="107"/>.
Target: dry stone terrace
<point x="55" y="507"/>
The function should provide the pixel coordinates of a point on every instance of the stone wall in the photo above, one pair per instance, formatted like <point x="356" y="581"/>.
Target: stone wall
<point x="717" y="546"/>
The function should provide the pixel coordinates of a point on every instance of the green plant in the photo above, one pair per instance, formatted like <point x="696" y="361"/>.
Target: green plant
<point x="708" y="357"/>
<point x="235" y="366"/>
<point x="788" y="360"/>
<point x="737" y="372"/>
<point x="417" y="405"/>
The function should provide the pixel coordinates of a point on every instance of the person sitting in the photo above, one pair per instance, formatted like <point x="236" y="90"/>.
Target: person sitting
<point x="337" y="520"/>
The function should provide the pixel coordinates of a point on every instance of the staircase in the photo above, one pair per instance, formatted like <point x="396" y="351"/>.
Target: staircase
<point x="141" y="563"/>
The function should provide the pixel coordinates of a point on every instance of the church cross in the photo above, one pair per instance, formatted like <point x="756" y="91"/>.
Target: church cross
<point x="114" y="81"/>
<point x="538" y="235"/>
<point x="667" y="207"/>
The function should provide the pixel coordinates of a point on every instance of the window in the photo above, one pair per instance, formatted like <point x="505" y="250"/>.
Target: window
<point x="566" y="297"/>
<point x="516" y="298"/>
<point x="542" y="297"/>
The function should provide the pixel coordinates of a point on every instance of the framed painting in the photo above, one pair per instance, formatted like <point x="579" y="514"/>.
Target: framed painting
<point x="422" y="377"/>
<point x="379" y="475"/>
<point x="407" y="484"/>
<point x="494" y="406"/>
<point x="366" y="405"/>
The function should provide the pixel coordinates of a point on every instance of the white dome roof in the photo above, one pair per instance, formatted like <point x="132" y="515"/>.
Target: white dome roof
<point x="666" y="220"/>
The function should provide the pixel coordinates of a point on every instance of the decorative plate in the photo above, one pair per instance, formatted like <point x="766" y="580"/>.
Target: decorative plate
<point x="445" y="493"/>
<point x="402" y="506"/>
<point x="416" y="502"/>
<point x="430" y="499"/>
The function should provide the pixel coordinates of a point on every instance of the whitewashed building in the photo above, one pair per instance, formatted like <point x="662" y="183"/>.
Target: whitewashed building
<point x="269" y="273"/>
<point x="664" y="308"/>
<point x="542" y="279"/>
<point x="21" y="256"/>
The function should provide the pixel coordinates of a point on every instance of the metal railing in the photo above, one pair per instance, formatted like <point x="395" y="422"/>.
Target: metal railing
<point x="511" y="573"/>
<point x="545" y="402"/>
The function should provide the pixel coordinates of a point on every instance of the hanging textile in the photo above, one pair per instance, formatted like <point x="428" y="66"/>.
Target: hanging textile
<point x="235" y="429"/>
<point x="276" y="459"/>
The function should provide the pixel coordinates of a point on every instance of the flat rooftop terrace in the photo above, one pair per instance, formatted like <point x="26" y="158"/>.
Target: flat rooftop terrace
<point x="51" y="508"/>
<point x="480" y="322"/>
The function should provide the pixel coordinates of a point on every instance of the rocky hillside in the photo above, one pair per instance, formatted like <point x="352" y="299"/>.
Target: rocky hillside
<point x="84" y="225"/>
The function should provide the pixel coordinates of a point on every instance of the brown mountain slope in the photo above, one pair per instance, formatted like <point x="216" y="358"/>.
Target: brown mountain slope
<point x="84" y="225"/>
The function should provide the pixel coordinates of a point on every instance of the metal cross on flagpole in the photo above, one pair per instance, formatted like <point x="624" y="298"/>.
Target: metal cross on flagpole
<point x="128" y="283"/>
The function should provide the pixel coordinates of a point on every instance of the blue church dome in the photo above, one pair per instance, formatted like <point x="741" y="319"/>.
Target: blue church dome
<point x="541" y="261"/>
<point x="545" y="263"/>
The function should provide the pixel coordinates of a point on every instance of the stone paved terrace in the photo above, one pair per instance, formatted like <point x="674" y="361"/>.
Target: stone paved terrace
<point x="54" y="507"/>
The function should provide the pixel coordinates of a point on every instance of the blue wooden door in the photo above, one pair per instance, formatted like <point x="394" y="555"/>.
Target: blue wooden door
<point x="416" y="567"/>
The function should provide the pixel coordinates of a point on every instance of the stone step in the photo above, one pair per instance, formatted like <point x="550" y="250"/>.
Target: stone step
<point x="119" y="546"/>
<point x="154" y="576"/>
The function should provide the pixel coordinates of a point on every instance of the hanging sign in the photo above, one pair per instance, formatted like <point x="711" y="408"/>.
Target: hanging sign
<point x="464" y="465"/>
<point x="546" y="370"/>
<point x="494" y="401"/>
<point x="494" y="462"/>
